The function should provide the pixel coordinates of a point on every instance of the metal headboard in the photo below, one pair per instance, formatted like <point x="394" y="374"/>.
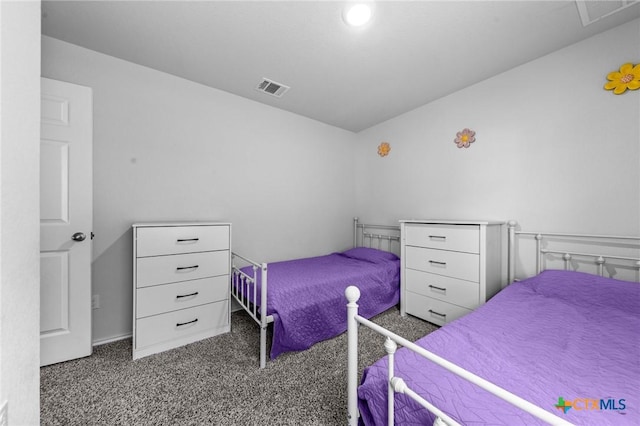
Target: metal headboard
<point x="567" y="255"/>
<point x="376" y="236"/>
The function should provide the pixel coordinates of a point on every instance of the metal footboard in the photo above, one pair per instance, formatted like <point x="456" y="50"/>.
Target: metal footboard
<point x="244" y="289"/>
<point x="396" y="384"/>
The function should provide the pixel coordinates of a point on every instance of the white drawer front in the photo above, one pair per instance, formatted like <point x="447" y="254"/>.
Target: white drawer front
<point x="153" y="241"/>
<point x="452" y="290"/>
<point x="433" y="310"/>
<point x="181" y="267"/>
<point x="171" y="297"/>
<point x="465" y="266"/>
<point x="178" y="324"/>
<point x="464" y="238"/>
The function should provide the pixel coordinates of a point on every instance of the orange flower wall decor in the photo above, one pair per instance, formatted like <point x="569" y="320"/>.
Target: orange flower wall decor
<point x="383" y="149"/>
<point x="464" y="138"/>
<point x="627" y="78"/>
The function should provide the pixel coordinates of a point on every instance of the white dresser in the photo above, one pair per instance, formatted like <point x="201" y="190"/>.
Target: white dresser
<point x="180" y="284"/>
<point x="449" y="267"/>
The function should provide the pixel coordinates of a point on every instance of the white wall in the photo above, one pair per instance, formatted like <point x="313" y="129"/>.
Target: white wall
<point x="19" y="211"/>
<point x="169" y="149"/>
<point x="554" y="150"/>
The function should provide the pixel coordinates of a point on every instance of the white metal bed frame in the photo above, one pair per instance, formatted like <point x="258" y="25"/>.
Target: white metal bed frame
<point x="244" y="288"/>
<point x="397" y="384"/>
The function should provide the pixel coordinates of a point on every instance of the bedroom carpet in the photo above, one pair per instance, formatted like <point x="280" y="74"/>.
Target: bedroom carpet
<point x="216" y="381"/>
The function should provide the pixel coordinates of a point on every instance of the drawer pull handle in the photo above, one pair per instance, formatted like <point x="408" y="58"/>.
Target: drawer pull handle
<point x="180" y="324"/>
<point x="437" y="313"/>
<point x="182" y="268"/>
<point x="437" y="237"/>
<point x="435" y="262"/>
<point x="180" y="296"/>
<point x="438" y="288"/>
<point x="187" y="240"/>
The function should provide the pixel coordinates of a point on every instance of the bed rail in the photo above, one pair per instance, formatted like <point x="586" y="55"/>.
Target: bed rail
<point x="397" y="385"/>
<point x="568" y="255"/>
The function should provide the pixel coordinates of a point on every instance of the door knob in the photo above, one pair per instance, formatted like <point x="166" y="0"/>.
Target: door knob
<point x="78" y="236"/>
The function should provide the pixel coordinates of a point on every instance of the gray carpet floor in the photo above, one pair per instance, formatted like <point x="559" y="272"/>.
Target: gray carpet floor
<point x="212" y="382"/>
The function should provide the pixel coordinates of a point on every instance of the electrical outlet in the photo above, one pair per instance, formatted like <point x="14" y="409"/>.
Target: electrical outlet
<point x="95" y="304"/>
<point x="4" y="414"/>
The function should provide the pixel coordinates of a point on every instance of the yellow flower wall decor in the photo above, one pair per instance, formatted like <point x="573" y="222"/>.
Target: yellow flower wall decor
<point x="464" y="138"/>
<point x="627" y="78"/>
<point x="383" y="149"/>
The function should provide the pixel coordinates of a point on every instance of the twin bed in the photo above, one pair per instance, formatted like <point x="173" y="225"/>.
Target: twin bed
<point x="567" y="343"/>
<point x="303" y="297"/>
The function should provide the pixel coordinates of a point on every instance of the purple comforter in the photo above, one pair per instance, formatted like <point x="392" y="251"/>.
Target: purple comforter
<point x="558" y="335"/>
<point x="306" y="296"/>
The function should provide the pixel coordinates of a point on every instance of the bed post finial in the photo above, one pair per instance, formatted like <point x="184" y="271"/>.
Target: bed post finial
<point x="567" y="261"/>
<point x="352" y="293"/>
<point x="600" y="262"/>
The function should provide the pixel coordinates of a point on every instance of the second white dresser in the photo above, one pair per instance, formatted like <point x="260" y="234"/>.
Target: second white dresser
<point x="180" y="284"/>
<point x="449" y="267"/>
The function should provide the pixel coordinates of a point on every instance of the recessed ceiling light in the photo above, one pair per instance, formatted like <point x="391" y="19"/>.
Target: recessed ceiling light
<point x="357" y="15"/>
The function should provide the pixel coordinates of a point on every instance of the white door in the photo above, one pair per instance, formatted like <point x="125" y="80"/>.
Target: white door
<point x="65" y="221"/>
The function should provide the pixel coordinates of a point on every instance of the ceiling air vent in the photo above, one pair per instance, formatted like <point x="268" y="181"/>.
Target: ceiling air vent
<point x="591" y="11"/>
<point x="272" y="88"/>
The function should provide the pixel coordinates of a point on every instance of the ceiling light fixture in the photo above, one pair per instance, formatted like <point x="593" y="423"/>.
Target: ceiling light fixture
<point x="357" y="15"/>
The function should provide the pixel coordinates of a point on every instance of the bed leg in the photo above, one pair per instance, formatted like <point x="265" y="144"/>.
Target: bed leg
<point x="353" y="294"/>
<point x="263" y="347"/>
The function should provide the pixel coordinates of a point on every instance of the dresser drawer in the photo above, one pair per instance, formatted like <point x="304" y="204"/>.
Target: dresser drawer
<point x="465" y="238"/>
<point x="178" y="324"/>
<point x="433" y="310"/>
<point x="465" y="266"/>
<point x="452" y="290"/>
<point x="153" y="241"/>
<point x="181" y="267"/>
<point x="171" y="297"/>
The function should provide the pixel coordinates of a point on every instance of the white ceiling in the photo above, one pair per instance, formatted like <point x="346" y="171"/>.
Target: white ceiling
<point x="411" y="53"/>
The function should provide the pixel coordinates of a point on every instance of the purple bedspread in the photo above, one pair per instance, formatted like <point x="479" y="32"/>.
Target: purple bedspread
<point x="557" y="335"/>
<point x="306" y="296"/>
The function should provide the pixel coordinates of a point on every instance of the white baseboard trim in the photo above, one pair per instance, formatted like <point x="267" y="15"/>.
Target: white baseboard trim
<point x="110" y="340"/>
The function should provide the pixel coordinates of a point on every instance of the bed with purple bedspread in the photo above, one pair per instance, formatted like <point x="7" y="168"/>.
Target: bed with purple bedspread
<point x="304" y="295"/>
<point x="560" y="334"/>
